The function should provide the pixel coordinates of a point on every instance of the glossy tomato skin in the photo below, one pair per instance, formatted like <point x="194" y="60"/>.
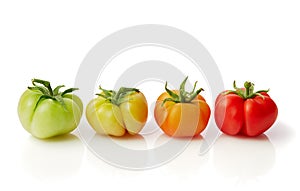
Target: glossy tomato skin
<point x="260" y="114"/>
<point x="135" y="112"/>
<point x="110" y="119"/>
<point x="181" y="119"/>
<point x="48" y="118"/>
<point x="250" y="117"/>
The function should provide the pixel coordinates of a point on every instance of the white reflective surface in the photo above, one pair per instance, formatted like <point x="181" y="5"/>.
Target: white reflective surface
<point x="257" y="41"/>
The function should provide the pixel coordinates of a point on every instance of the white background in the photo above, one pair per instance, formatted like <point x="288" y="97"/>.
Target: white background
<point x="249" y="40"/>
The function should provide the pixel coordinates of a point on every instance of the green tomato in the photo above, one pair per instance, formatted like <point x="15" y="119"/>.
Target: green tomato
<point x="46" y="113"/>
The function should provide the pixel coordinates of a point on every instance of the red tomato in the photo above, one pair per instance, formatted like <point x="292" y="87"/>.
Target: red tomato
<point x="243" y="111"/>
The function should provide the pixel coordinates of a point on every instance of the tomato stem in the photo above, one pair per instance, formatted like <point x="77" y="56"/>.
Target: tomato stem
<point x="48" y="93"/>
<point x="184" y="96"/>
<point x="44" y="83"/>
<point x="247" y="92"/>
<point x="249" y="88"/>
<point x="116" y="97"/>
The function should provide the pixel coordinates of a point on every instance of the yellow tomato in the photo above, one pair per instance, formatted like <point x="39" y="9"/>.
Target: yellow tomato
<point x="115" y="113"/>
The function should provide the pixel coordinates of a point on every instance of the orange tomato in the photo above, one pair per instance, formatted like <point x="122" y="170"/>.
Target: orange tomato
<point x="181" y="119"/>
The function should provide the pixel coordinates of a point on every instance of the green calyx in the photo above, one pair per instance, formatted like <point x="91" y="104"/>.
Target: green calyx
<point x="48" y="92"/>
<point x="183" y="96"/>
<point x="116" y="97"/>
<point x="247" y="92"/>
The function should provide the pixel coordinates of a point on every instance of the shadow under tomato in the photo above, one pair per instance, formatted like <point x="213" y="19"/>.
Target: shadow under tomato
<point x="280" y="134"/>
<point x="128" y="136"/>
<point x="243" y="157"/>
<point x="61" y="138"/>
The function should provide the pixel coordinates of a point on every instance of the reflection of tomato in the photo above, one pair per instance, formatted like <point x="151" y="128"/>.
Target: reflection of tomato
<point x="180" y="113"/>
<point x="125" y="152"/>
<point x="185" y="149"/>
<point x="244" y="111"/>
<point x="243" y="157"/>
<point x="114" y="113"/>
<point x="56" y="158"/>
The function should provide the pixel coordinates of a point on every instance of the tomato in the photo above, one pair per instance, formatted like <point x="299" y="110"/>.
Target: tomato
<point x="181" y="114"/>
<point x="46" y="113"/>
<point x="115" y="113"/>
<point x="243" y="111"/>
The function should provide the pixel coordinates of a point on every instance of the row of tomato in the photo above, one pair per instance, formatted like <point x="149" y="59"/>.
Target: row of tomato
<point x="45" y="112"/>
